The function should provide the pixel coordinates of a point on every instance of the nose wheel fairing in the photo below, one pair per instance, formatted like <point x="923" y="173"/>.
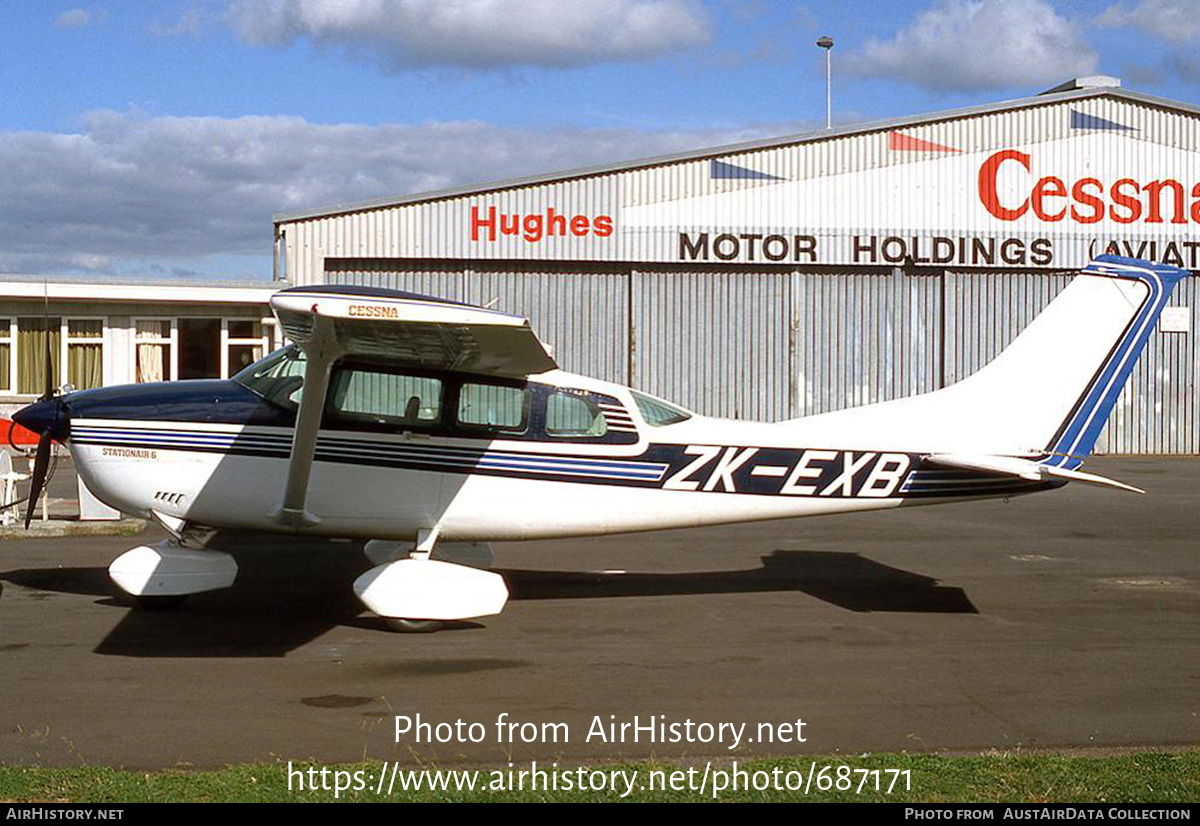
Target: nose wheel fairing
<point x="165" y="569"/>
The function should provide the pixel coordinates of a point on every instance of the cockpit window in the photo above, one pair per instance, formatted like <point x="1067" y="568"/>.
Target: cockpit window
<point x="278" y="378"/>
<point x="657" y="412"/>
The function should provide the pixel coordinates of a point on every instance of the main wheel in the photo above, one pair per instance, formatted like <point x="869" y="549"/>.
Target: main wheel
<point x="413" y="626"/>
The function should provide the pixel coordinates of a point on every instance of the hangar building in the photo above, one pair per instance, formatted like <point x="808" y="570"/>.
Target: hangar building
<point x="797" y="275"/>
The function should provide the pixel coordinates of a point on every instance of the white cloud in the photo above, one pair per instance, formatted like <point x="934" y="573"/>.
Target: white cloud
<point x="132" y="188"/>
<point x="976" y="45"/>
<point x="478" y="33"/>
<point x="74" y="19"/>
<point x="1175" y="21"/>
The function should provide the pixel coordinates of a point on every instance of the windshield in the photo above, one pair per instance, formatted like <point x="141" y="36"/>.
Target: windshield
<point x="657" y="412"/>
<point x="278" y="378"/>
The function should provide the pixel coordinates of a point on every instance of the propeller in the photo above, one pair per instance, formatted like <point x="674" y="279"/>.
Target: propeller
<point x="45" y="417"/>
<point x="41" y="462"/>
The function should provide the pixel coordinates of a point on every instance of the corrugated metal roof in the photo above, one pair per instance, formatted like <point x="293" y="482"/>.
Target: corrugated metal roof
<point x="1044" y="99"/>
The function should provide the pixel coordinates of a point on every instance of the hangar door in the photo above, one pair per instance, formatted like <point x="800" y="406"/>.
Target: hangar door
<point x="864" y="338"/>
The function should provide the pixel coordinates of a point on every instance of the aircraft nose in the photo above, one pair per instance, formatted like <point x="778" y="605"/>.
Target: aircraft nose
<point x="39" y="417"/>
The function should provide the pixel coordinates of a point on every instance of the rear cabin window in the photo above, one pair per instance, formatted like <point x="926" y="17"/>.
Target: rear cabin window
<point x="493" y="407"/>
<point x="571" y="415"/>
<point x="367" y="395"/>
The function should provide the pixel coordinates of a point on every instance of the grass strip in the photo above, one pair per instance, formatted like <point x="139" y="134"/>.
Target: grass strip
<point x="1000" y="778"/>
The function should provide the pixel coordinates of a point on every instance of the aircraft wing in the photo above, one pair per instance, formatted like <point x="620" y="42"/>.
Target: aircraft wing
<point x="404" y="329"/>
<point x="1022" y="468"/>
<point x="414" y="330"/>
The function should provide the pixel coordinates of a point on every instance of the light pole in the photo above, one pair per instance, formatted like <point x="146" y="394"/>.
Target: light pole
<point x="826" y="43"/>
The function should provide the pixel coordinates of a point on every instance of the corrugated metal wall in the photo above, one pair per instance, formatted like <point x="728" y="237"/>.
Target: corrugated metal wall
<point x="1159" y="411"/>
<point x="445" y="280"/>
<point x="717" y="342"/>
<point x="864" y="338"/>
<point x="772" y="345"/>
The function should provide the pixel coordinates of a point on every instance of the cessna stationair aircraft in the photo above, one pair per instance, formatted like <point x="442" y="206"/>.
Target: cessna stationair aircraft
<point x="432" y="427"/>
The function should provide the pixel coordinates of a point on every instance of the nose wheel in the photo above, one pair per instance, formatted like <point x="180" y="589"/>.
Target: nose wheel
<point x="403" y="625"/>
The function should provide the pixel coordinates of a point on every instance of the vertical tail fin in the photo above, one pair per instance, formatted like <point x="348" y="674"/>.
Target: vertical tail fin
<point x="1079" y="429"/>
<point x="1048" y="393"/>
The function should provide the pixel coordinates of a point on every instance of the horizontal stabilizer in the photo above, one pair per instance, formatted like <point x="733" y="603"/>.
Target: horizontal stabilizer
<point x="1023" y="468"/>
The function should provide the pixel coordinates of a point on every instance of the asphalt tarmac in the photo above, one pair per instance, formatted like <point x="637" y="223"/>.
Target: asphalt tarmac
<point x="1062" y="620"/>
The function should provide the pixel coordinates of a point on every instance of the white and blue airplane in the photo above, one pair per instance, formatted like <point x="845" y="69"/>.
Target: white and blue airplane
<point x="432" y="428"/>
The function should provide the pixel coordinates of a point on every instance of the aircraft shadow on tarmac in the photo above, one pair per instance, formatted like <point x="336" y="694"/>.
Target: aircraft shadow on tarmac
<point x="266" y="614"/>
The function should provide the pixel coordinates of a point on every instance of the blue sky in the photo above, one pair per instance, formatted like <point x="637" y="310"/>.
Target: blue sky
<point x="146" y="140"/>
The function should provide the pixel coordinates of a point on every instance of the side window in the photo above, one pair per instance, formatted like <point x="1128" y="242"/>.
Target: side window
<point x="571" y="415"/>
<point x="492" y="406"/>
<point x="371" y="395"/>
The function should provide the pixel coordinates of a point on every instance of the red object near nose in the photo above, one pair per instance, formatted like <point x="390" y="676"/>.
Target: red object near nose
<point x="18" y="435"/>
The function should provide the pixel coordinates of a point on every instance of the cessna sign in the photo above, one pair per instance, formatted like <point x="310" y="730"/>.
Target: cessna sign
<point x="1089" y="200"/>
<point x="1052" y="204"/>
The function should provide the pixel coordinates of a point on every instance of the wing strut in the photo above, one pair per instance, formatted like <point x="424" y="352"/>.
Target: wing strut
<point x="321" y="350"/>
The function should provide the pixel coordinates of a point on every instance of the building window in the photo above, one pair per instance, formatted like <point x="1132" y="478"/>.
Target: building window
<point x="196" y="347"/>
<point x="243" y="343"/>
<point x="153" y="349"/>
<point x="32" y="336"/>
<point x="85" y="353"/>
<point x="6" y="363"/>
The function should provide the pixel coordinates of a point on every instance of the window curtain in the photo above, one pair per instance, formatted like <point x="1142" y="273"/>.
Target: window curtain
<point x="150" y="362"/>
<point x="32" y="334"/>
<point x="85" y="365"/>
